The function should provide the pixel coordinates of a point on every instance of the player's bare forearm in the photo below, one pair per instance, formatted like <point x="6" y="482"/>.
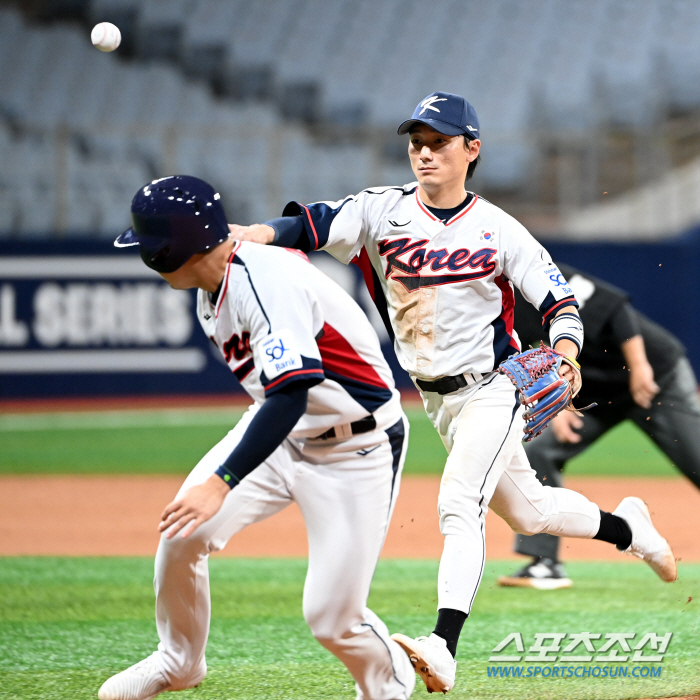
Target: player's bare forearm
<point x="195" y="507"/>
<point x="257" y="233"/>
<point x="641" y="382"/>
<point x="565" y="346"/>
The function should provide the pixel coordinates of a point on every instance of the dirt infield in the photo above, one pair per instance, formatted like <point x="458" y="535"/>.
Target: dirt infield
<point x="97" y="515"/>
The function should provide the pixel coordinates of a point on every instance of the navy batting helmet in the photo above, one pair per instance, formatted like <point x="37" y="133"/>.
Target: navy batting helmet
<point x="173" y="219"/>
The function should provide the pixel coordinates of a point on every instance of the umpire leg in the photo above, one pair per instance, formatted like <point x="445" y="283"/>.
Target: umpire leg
<point x="547" y="457"/>
<point x="673" y="421"/>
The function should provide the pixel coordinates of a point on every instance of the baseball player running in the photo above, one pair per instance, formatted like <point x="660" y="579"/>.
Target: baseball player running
<point x="325" y="430"/>
<point x="441" y="263"/>
<point x="633" y="369"/>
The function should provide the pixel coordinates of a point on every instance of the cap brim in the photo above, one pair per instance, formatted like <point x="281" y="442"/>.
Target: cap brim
<point x="126" y="239"/>
<point x="439" y="126"/>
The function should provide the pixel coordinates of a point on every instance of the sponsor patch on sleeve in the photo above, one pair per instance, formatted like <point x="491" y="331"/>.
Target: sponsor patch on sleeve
<point x="558" y="280"/>
<point x="279" y="354"/>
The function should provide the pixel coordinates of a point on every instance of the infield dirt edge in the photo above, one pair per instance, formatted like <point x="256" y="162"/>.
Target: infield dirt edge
<point x="117" y="516"/>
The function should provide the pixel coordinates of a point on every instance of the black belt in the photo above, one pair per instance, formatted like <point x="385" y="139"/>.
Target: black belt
<point x="444" y="385"/>
<point x="364" y="425"/>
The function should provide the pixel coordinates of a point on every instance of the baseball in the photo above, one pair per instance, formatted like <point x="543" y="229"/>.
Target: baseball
<point x="106" y="36"/>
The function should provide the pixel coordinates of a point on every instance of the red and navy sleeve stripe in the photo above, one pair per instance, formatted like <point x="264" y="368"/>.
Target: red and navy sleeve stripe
<point x="310" y="374"/>
<point x="317" y="219"/>
<point x="550" y="306"/>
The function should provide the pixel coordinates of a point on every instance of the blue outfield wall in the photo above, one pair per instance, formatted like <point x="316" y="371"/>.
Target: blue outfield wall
<point x="662" y="279"/>
<point x="80" y="318"/>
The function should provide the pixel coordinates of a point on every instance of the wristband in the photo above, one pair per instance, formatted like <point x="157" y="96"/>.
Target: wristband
<point x="230" y="479"/>
<point x="567" y="326"/>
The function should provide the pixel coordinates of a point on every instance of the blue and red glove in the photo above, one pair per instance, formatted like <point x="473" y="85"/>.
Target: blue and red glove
<point x="535" y="374"/>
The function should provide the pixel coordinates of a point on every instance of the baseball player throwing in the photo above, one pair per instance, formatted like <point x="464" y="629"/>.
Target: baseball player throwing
<point x="634" y="370"/>
<point x="440" y="263"/>
<point x="325" y="430"/>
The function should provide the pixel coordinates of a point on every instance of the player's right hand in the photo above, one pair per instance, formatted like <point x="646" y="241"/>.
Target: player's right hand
<point x="195" y="507"/>
<point x="565" y="425"/>
<point x="257" y="233"/>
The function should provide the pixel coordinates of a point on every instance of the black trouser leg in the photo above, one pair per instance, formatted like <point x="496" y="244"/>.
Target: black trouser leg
<point x="674" y="419"/>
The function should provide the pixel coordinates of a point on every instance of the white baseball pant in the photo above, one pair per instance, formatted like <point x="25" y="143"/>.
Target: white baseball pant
<point x="481" y="426"/>
<point x="346" y="499"/>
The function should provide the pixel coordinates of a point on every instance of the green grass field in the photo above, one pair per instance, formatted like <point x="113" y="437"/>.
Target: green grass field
<point x="172" y="441"/>
<point x="67" y="624"/>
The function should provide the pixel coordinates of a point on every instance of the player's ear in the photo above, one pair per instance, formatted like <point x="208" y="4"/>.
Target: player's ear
<point x="472" y="146"/>
<point x="473" y="156"/>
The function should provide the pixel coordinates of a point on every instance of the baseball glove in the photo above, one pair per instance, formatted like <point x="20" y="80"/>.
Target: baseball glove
<point x="535" y="374"/>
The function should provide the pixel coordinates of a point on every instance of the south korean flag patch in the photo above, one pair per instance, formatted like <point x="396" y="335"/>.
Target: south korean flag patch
<point x="279" y="354"/>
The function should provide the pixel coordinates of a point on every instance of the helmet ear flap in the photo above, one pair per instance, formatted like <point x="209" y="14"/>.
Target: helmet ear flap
<point x="161" y="260"/>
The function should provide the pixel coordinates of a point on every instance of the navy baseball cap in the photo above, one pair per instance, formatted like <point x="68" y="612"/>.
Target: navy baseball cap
<point x="446" y="113"/>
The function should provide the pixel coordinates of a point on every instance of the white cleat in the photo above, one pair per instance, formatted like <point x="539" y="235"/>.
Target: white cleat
<point x="647" y="543"/>
<point x="431" y="660"/>
<point x="142" y="681"/>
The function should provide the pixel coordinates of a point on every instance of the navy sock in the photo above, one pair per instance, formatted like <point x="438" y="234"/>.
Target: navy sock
<point x="615" y="530"/>
<point x="449" y="627"/>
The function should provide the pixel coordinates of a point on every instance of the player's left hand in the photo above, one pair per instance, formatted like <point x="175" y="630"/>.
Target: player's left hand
<point x="569" y="371"/>
<point x="642" y="385"/>
<point x="572" y="374"/>
<point x="195" y="507"/>
<point x="544" y="388"/>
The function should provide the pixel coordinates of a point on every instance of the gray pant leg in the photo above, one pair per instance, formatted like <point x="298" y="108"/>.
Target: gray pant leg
<point x="674" y="419"/>
<point x="547" y="456"/>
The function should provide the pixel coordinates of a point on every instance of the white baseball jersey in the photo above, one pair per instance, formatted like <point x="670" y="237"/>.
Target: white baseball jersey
<point x="279" y="320"/>
<point x="448" y="286"/>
